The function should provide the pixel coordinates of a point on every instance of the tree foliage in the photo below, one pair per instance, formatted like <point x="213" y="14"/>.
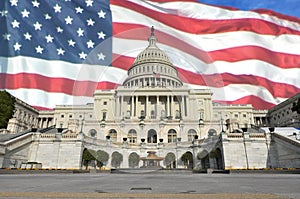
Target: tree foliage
<point x="296" y="106"/>
<point x="7" y="106"/>
<point x="169" y="159"/>
<point x="88" y="156"/>
<point x="134" y="160"/>
<point x="116" y="159"/>
<point x="187" y="158"/>
<point x="101" y="157"/>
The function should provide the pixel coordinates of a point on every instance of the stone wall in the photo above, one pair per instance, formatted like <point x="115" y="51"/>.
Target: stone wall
<point x="245" y="150"/>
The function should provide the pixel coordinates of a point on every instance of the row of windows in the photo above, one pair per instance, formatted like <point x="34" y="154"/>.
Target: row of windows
<point x="158" y="69"/>
<point x="151" y="136"/>
<point x="71" y="116"/>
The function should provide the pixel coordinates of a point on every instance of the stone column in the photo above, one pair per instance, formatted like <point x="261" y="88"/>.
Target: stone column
<point x="182" y="111"/>
<point x="157" y="106"/>
<point x="168" y="106"/>
<point x="172" y="106"/>
<point x="131" y="107"/>
<point x="121" y="106"/>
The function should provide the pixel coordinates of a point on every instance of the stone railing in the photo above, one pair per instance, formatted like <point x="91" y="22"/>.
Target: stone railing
<point x="17" y="142"/>
<point x="257" y="135"/>
<point x="290" y="141"/>
<point x="235" y="135"/>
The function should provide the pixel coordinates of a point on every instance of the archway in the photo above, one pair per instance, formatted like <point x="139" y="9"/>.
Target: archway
<point x="188" y="160"/>
<point x="170" y="160"/>
<point x="152" y="136"/>
<point x="133" y="160"/>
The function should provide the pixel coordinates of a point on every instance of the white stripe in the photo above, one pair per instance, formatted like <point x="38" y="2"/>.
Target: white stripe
<point x="211" y="42"/>
<point x="41" y="98"/>
<point x="57" y="69"/>
<point x="237" y="91"/>
<point x="187" y="62"/>
<point x="202" y="11"/>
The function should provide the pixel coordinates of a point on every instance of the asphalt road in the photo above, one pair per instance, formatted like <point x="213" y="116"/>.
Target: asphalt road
<point x="150" y="186"/>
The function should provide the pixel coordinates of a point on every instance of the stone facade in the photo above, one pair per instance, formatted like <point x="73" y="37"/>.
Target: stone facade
<point x="283" y="115"/>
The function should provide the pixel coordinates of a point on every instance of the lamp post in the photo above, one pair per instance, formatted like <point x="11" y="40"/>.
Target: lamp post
<point x="200" y="124"/>
<point x="181" y="125"/>
<point x="142" y="124"/>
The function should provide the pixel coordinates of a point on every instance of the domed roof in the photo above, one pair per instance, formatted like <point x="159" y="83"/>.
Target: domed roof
<point x="152" y="52"/>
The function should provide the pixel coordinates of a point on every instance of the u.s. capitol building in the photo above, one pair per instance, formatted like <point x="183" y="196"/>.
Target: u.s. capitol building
<point x="152" y="120"/>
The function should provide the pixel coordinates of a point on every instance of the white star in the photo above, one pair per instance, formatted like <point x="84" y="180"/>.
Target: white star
<point x="101" y="56"/>
<point x="101" y="14"/>
<point x="101" y="35"/>
<point x="89" y="3"/>
<point x="90" y="44"/>
<point x="14" y="2"/>
<point x="17" y="46"/>
<point x="15" y="24"/>
<point x="60" y="51"/>
<point x="35" y="3"/>
<point x="37" y="26"/>
<point x="47" y="16"/>
<point x="59" y="29"/>
<point x="6" y="36"/>
<point x="4" y="13"/>
<point x="82" y="55"/>
<point x="25" y="13"/>
<point x="79" y="10"/>
<point x="71" y="43"/>
<point x="49" y="38"/>
<point x="57" y="8"/>
<point x="39" y="49"/>
<point x="68" y="20"/>
<point x="90" y="22"/>
<point x="80" y="32"/>
<point x="27" y="36"/>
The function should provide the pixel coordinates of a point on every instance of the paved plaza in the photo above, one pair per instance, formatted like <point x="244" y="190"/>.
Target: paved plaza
<point x="149" y="185"/>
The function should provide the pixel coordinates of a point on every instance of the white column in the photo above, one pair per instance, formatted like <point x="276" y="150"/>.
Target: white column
<point x="182" y="111"/>
<point x="157" y="106"/>
<point x="171" y="107"/>
<point x="187" y="102"/>
<point x="146" y="106"/>
<point x="168" y="106"/>
<point x="135" y="105"/>
<point x="131" y="108"/>
<point x="121" y="106"/>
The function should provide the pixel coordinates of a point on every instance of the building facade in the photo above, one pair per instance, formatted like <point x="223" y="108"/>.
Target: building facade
<point x="286" y="113"/>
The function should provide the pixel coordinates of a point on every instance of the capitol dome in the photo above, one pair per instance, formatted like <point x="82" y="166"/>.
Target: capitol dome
<point x="153" y="68"/>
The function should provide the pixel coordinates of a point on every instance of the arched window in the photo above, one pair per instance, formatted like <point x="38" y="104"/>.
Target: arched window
<point x="92" y="132"/>
<point x="152" y="136"/>
<point x="132" y="136"/>
<point x="113" y="135"/>
<point x="191" y="135"/>
<point x="172" y="136"/>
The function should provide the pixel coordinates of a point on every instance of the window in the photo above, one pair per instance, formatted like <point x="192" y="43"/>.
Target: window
<point x="236" y="115"/>
<point x="142" y="113"/>
<point x="172" y="136"/>
<point x="127" y="114"/>
<point x="62" y="116"/>
<point x="70" y="116"/>
<point x="103" y="115"/>
<point x="113" y="135"/>
<point x="177" y="114"/>
<point x="153" y="114"/>
<point x="105" y="103"/>
<point x="152" y="136"/>
<point x="244" y="115"/>
<point x="191" y="135"/>
<point x="163" y="113"/>
<point x="132" y="136"/>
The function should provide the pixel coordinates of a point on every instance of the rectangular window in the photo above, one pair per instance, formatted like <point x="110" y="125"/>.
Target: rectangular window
<point x="105" y="103"/>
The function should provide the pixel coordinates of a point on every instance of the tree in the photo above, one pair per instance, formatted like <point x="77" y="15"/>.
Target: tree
<point x="169" y="160"/>
<point x="133" y="160"/>
<point x="187" y="159"/>
<point x="116" y="159"/>
<point x="296" y="106"/>
<point x="101" y="157"/>
<point x="7" y="106"/>
<point x="88" y="156"/>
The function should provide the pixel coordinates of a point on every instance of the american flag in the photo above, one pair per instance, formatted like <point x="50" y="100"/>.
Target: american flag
<point x="59" y="51"/>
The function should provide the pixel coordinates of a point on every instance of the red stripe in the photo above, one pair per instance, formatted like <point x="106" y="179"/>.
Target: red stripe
<point x="51" y="84"/>
<point x="202" y="26"/>
<point x="40" y="108"/>
<point x="222" y="79"/>
<point x="240" y="53"/>
<point x="257" y="103"/>
<point x="87" y="88"/>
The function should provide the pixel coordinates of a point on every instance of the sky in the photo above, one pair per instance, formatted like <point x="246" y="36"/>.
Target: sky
<point x="288" y="7"/>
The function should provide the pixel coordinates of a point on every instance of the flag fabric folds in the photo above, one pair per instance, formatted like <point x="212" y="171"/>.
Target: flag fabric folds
<point x="59" y="52"/>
